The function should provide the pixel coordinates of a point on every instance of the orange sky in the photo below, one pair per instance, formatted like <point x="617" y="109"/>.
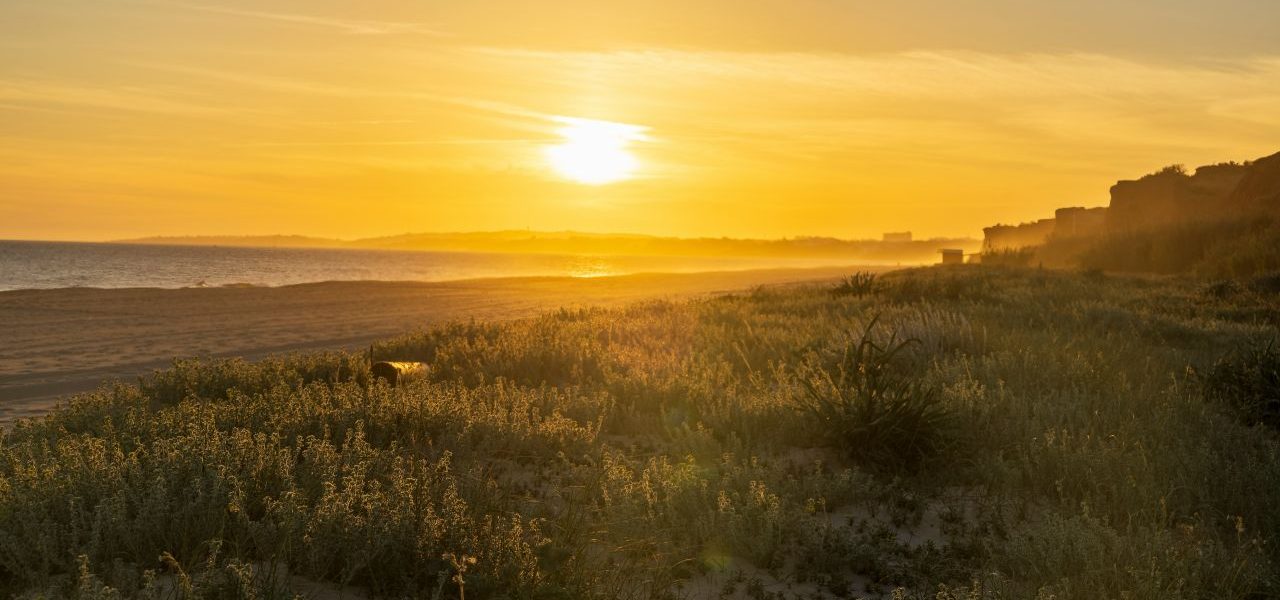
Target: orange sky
<point x="764" y="118"/>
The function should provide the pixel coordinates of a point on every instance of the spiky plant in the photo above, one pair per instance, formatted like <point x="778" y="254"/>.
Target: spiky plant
<point x="858" y="284"/>
<point x="873" y="411"/>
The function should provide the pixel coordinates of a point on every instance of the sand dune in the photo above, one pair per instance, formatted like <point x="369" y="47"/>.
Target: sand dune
<point x="64" y="341"/>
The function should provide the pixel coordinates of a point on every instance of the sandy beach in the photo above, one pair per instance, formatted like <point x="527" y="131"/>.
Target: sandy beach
<point x="64" y="341"/>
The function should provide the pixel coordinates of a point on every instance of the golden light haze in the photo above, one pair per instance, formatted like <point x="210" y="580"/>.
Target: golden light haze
<point x="761" y="119"/>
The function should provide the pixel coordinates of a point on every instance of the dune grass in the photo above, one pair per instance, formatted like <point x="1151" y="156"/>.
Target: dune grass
<point x="1043" y="435"/>
<point x="1238" y="247"/>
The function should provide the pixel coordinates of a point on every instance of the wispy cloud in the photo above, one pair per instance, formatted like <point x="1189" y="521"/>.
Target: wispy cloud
<point x="292" y="85"/>
<point x="31" y="94"/>
<point x="347" y="26"/>
<point x="376" y="143"/>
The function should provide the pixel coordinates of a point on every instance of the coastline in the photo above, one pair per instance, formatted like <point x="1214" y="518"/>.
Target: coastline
<point x="70" y="340"/>
<point x="58" y="265"/>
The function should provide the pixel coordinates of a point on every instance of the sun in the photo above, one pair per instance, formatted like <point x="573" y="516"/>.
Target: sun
<point x="594" y="152"/>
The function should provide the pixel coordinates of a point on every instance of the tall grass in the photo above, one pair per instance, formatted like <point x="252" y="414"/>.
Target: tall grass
<point x="1075" y="450"/>
<point x="1223" y="248"/>
<point x="1247" y="382"/>
<point x="858" y="284"/>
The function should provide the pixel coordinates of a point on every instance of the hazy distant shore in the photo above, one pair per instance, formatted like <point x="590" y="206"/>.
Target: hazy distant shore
<point x="64" y="341"/>
<point x="901" y="247"/>
<point x="53" y="265"/>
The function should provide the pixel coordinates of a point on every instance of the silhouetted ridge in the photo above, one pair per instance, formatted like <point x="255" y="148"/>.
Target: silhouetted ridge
<point x="1259" y="188"/>
<point x="1220" y="219"/>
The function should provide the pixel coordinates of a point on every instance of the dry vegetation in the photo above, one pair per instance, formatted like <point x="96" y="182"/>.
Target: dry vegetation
<point x="1226" y="248"/>
<point x="954" y="433"/>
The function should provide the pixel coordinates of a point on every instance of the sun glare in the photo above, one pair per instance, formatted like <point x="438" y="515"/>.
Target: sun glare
<point x="594" y="152"/>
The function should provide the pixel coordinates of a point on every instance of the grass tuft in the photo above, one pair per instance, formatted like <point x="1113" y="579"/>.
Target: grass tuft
<point x="870" y="409"/>
<point x="861" y="283"/>
<point x="1247" y="382"/>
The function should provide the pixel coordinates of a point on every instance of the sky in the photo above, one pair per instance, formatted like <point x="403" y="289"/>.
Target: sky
<point x="748" y="118"/>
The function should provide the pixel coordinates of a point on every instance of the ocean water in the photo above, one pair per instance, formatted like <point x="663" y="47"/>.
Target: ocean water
<point x="37" y="265"/>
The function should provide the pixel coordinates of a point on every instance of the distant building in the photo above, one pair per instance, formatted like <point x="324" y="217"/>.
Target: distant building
<point x="904" y="236"/>
<point x="952" y="256"/>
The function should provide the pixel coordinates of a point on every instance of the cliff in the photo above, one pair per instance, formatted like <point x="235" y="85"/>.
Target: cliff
<point x="1259" y="189"/>
<point x="1012" y="237"/>
<point x="1173" y="197"/>
<point x="1167" y="198"/>
<point x="1070" y="222"/>
<point x="1077" y="221"/>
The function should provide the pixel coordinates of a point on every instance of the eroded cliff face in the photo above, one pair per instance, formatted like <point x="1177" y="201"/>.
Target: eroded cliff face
<point x="1172" y="197"/>
<point x="1012" y="237"/>
<point x="1078" y="221"/>
<point x="1070" y="222"/>
<point x="1259" y="189"/>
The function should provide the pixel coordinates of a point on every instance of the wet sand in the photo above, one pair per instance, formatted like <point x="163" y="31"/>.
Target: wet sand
<point x="65" y="341"/>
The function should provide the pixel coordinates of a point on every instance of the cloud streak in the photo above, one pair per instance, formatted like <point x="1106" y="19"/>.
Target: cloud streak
<point x="346" y="26"/>
<point x="30" y="94"/>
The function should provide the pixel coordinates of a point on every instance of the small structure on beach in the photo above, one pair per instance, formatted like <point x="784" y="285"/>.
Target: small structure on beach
<point x="952" y="256"/>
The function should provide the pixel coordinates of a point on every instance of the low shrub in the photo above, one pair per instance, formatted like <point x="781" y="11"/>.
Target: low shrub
<point x="858" y="284"/>
<point x="870" y="409"/>
<point x="1247" y="382"/>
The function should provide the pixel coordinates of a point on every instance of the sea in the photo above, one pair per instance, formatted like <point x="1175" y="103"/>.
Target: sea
<point x="44" y="265"/>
